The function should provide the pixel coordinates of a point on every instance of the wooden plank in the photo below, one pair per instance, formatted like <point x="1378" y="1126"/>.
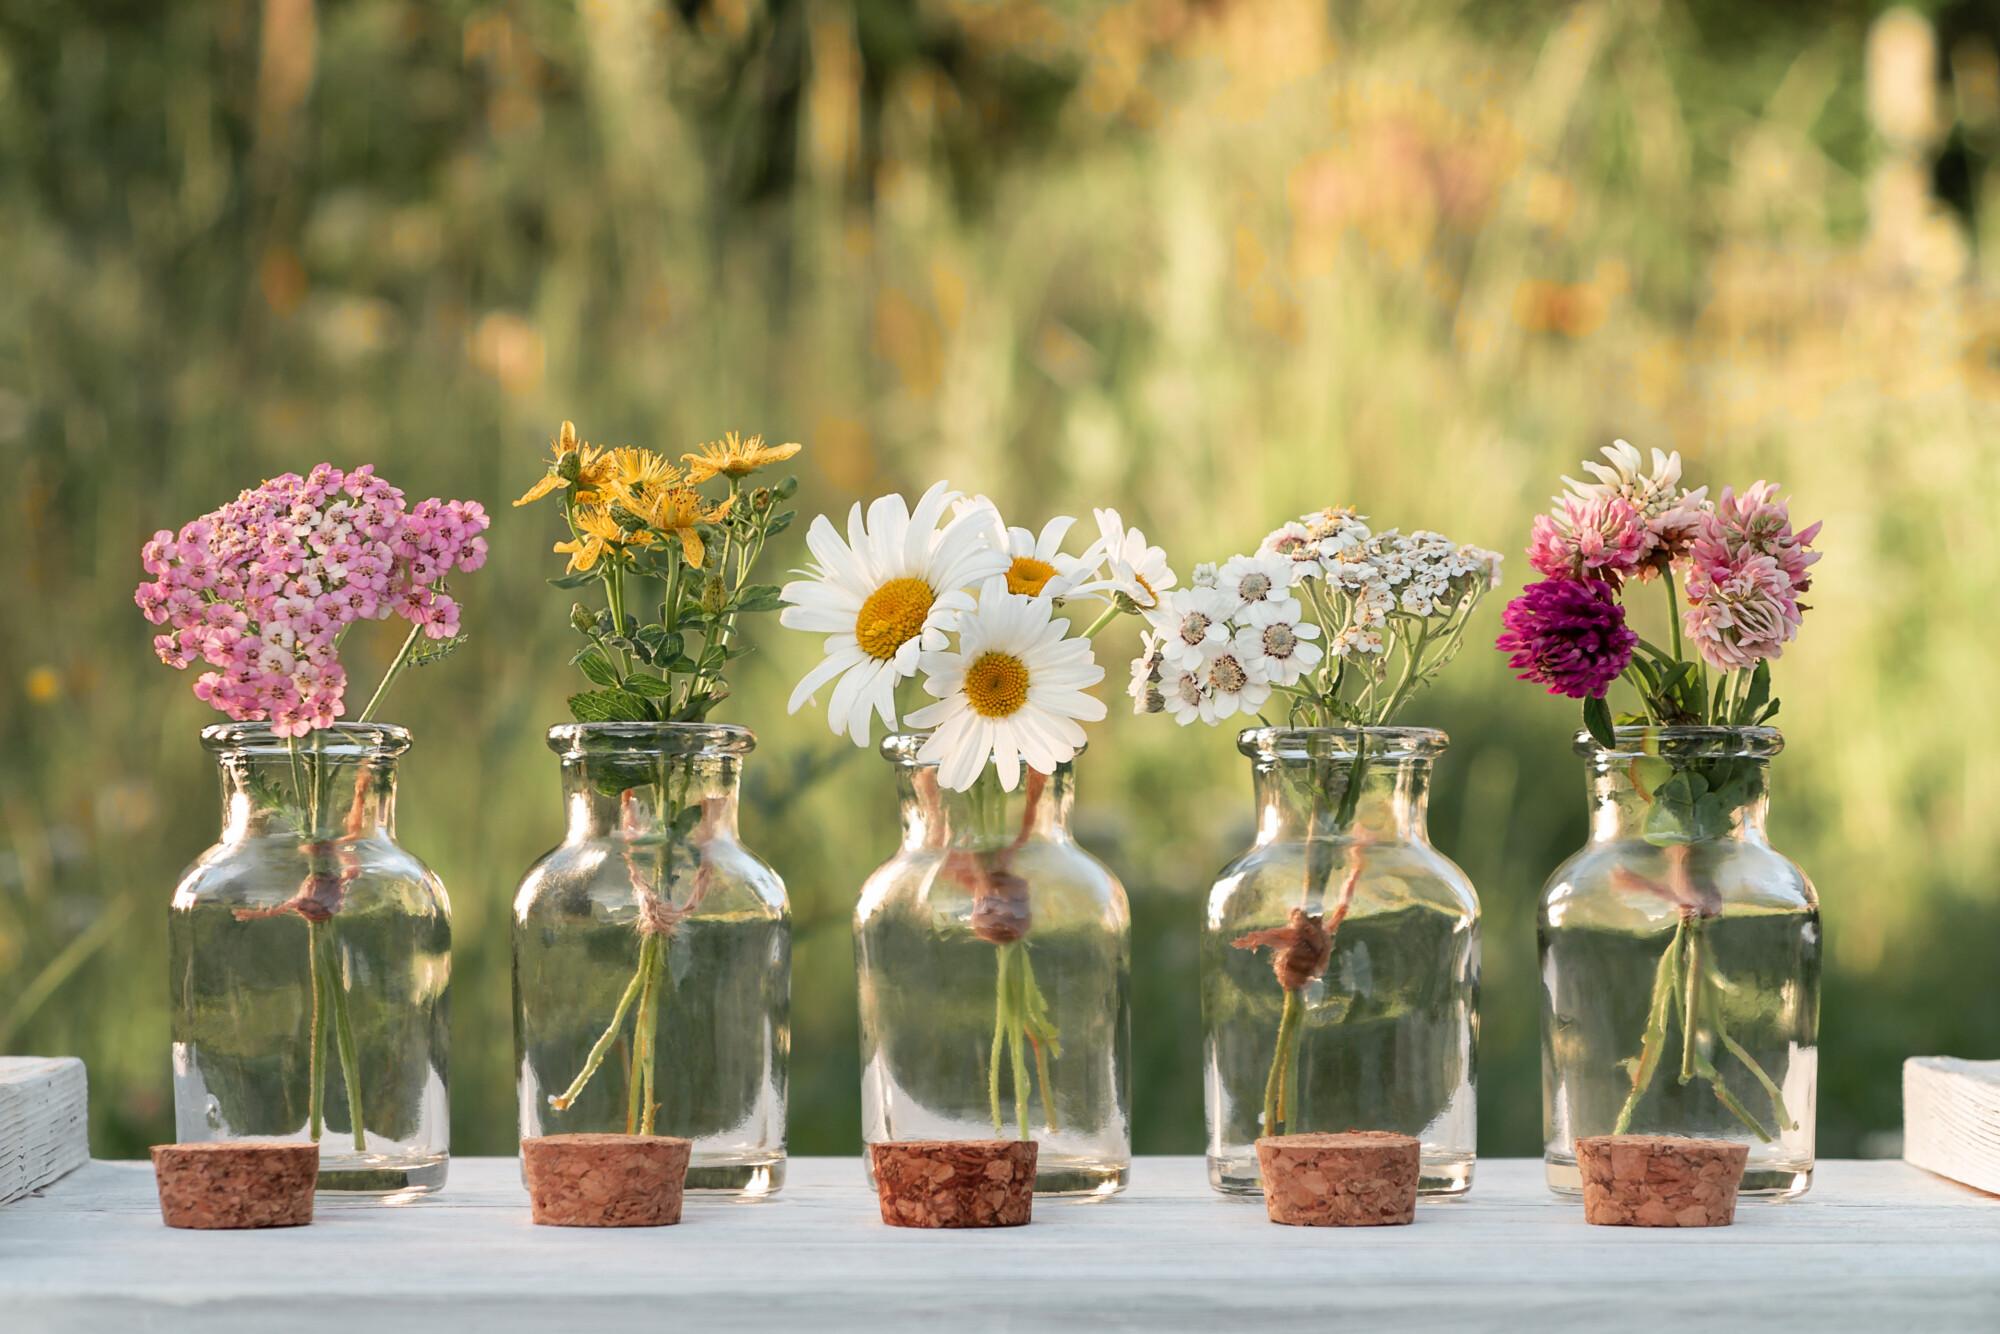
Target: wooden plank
<point x="44" y="1122"/>
<point x="1873" y="1246"/>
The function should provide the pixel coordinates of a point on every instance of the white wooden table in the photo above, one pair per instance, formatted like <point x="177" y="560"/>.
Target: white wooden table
<point x="1874" y="1246"/>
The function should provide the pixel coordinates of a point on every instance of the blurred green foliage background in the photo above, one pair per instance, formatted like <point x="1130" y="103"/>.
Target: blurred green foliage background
<point x="1210" y="261"/>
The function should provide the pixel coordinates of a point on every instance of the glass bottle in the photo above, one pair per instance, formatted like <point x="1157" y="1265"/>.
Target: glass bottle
<point x="652" y="957"/>
<point x="1343" y="937"/>
<point x="310" y="957"/>
<point x="1678" y="904"/>
<point x="995" y="965"/>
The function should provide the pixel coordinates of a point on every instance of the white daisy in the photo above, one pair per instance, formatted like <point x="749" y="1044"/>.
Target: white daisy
<point x="1229" y="685"/>
<point x="1252" y="579"/>
<point x="1276" y="645"/>
<point x="1182" y="693"/>
<point x="887" y="594"/>
<point x="1189" y="621"/>
<point x="1204" y="575"/>
<point x="1131" y="568"/>
<point x="1014" y="691"/>
<point x="1037" y="566"/>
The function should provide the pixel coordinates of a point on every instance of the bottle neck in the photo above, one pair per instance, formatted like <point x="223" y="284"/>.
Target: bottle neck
<point x="984" y="818"/>
<point x="634" y="795"/>
<point x="338" y="784"/>
<point x="1301" y="798"/>
<point x="1678" y="800"/>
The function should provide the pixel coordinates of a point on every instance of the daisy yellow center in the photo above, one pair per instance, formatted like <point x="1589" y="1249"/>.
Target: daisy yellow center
<point x="1028" y="575"/>
<point x="996" y="685"/>
<point x="1279" y="641"/>
<point x="1228" y="676"/>
<point x="892" y="616"/>
<point x="1152" y="598"/>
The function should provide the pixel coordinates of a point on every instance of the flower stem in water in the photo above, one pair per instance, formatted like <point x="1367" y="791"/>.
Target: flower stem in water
<point x="343" y="1038"/>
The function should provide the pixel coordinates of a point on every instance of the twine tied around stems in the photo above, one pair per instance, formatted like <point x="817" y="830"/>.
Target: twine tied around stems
<point x="1301" y="948"/>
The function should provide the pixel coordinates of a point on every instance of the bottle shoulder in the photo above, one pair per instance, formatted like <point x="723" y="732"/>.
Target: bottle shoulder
<point x="1392" y="876"/>
<point x="608" y="876"/>
<point x="372" y="873"/>
<point x="1614" y="880"/>
<point x="1061" y="878"/>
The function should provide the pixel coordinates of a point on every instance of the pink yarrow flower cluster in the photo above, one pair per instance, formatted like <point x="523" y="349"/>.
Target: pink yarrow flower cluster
<point x="262" y="588"/>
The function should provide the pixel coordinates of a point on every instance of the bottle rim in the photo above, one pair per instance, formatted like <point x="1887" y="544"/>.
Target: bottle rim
<point x="706" y="740"/>
<point x="1303" y="744"/>
<point x="347" y="740"/>
<point x="1695" y="742"/>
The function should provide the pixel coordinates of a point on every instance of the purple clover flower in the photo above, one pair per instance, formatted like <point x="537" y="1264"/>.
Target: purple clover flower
<point x="1568" y="634"/>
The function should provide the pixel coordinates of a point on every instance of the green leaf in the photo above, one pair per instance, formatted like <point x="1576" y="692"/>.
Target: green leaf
<point x="1597" y="721"/>
<point x="575" y="580"/>
<point x="759" y="598"/>
<point x="609" y="706"/>
<point x="594" y="666"/>
<point x="1759" y="692"/>
<point x="779" y="523"/>
<point x="427" y="651"/>
<point x="639" y="683"/>
<point x="1770" y="712"/>
<point x="684" y="664"/>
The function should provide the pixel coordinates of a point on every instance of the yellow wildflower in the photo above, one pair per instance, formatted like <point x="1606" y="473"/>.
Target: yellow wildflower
<point x="641" y="471"/>
<point x="599" y="534"/>
<point x="734" y="456"/>
<point x="677" y="509"/>
<point x="578" y="462"/>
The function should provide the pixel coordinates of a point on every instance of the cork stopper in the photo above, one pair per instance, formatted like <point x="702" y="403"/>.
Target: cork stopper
<point x="956" y="1183"/>
<point x="236" y="1183"/>
<point x="1659" y="1180"/>
<point x="605" y="1180"/>
<point x="1362" y="1178"/>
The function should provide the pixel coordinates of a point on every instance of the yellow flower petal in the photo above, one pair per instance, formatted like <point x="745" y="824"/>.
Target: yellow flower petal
<point x="548" y="483"/>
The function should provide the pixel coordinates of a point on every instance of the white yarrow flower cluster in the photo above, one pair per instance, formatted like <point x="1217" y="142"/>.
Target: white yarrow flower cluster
<point x="1223" y="645"/>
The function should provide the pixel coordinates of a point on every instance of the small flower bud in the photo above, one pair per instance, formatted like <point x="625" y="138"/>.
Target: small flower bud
<point x="786" y="489"/>
<point x="714" y="597"/>
<point x="581" y="618"/>
<point x="569" y="467"/>
<point x="760" y="499"/>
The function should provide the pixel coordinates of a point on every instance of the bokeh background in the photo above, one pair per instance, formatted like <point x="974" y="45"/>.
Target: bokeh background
<point x="1210" y="261"/>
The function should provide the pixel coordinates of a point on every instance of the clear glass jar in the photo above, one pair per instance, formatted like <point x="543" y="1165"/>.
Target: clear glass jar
<point x="1345" y="939"/>
<point x="1678" y="904"/>
<point x="653" y="956"/>
<point x="995" y="962"/>
<point x="310" y="957"/>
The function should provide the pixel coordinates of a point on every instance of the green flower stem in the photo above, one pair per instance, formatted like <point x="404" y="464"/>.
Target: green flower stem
<point x="316" y="1070"/>
<point x="1666" y="987"/>
<point x="603" y="1045"/>
<point x="1685" y="983"/>
<point x="638" y="1096"/>
<point x="1283" y="1063"/>
<point x="1000" y="1032"/>
<point x="1691" y="1006"/>
<point x="1673" y="613"/>
<point x="402" y="660"/>
<point x="343" y="1037"/>
<point x="648" y="1027"/>
<point x="1110" y="614"/>
<point x="1735" y="1049"/>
